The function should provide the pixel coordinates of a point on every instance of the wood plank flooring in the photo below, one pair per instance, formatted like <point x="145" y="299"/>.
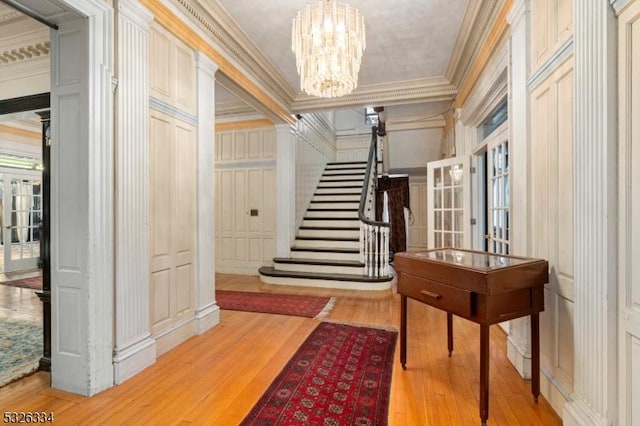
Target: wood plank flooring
<point x="216" y="378"/>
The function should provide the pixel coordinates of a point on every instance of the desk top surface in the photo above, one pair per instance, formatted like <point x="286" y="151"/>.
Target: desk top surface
<point x="477" y="260"/>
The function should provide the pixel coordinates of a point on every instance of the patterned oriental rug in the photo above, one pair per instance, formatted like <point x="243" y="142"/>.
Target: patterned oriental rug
<point x="341" y="375"/>
<point x="20" y="348"/>
<point x="34" y="283"/>
<point x="269" y="303"/>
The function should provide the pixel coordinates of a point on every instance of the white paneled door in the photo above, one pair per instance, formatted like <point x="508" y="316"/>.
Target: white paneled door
<point x="448" y="203"/>
<point x="21" y="215"/>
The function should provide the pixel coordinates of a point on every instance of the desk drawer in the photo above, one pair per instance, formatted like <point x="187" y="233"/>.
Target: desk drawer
<point x="445" y="297"/>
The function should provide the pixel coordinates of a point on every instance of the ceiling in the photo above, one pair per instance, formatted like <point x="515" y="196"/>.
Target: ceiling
<point x="416" y="54"/>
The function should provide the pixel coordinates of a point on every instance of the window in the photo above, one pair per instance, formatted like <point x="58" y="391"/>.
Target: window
<point x="496" y="118"/>
<point x="370" y="117"/>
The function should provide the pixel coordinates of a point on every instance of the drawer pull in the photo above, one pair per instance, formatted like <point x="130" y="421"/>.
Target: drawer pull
<point x="431" y="294"/>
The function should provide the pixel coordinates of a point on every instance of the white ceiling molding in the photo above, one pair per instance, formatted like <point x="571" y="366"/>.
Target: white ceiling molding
<point x="466" y="46"/>
<point x="415" y="123"/>
<point x="216" y="22"/>
<point x="231" y="87"/>
<point x="423" y="90"/>
<point x="7" y="15"/>
<point x="24" y="53"/>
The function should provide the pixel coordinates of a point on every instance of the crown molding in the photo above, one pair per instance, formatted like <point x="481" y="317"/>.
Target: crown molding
<point x="25" y="53"/>
<point x="415" y="123"/>
<point x="479" y="17"/>
<point x="10" y="15"/>
<point x="214" y="20"/>
<point x="406" y="92"/>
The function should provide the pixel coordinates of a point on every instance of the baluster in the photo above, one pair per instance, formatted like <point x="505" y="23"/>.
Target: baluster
<point x="362" y="241"/>
<point x="370" y="248"/>
<point x="385" y="252"/>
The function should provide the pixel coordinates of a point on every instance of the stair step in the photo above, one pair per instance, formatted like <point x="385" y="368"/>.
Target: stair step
<point x="336" y="197"/>
<point x="328" y="253"/>
<point x="338" y="190"/>
<point x="334" y="204"/>
<point x="337" y="222"/>
<point x="322" y="231"/>
<point x="271" y="275"/>
<point x="343" y="171"/>
<point x="327" y="242"/>
<point x="332" y="213"/>
<point x="342" y="177"/>
<point x="346" y="163"/>
<point x="340" y="183"/>
<point x="318" y="265"/>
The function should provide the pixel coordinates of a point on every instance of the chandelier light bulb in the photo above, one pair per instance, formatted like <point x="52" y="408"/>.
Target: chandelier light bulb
<point x="328" y="39"/>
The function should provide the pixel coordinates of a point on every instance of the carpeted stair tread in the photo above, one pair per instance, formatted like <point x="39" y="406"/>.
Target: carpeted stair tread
<point x="347" y="263"/>
<point x="270" y="271"/>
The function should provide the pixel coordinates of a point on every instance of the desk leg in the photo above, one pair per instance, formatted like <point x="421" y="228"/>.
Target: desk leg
<point x="450" y="332"/>
<point x="403" y="331"/>
<point x="535" y="356"/>
<point x="484" y="373"/>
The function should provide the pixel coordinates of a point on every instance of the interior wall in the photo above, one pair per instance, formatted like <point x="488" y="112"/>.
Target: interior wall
<point x="409" y="149"/>
<point x="173" y="150"/>
<point x="245" y="177"/>
<point x="315" y="147"/>
<point x="419" y="217"/>
<point x="551" y="202"/>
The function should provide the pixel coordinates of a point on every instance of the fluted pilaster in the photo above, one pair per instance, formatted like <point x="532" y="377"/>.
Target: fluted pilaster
<point x="286" y="189"/>
<point x="134" y="348"/>
<point x="595" y="389"/>
<point x="519" y="340"/>
<point x="207" y="312"/>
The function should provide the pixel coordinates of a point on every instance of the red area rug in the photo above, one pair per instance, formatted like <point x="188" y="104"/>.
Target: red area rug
<point x="269" y="303"/>
<point x="34" y="283"/>
<point x="341" y="375"/>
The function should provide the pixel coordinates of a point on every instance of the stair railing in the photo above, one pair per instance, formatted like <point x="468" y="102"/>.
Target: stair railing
<point x="374" y="235"/>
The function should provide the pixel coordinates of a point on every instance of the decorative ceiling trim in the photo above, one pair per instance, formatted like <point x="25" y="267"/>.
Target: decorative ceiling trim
<point x="496" y="33"/>
<point x="20" y="132"/>
<point x="243" y="125"/>
<point x="215" y="21"/>
<point x="415" y="123"/>
<point x="183" y="30"/>
<point x="24" y="53"/>
<point x="11" y="15"/>
<point x="232" y="109"/>
<point x="424" y="90"/>
<point x="467" y="45"/>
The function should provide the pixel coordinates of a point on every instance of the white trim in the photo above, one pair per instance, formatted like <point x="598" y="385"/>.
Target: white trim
<point x="620" y="5"/>
<point x="564" y="52"/>
<point x="172" y="111"/>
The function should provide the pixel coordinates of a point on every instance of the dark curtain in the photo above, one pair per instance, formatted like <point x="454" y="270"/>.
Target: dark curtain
<point x="397" y="189"/>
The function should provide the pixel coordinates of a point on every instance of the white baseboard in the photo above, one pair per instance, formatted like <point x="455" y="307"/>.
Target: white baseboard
<point x="207" y="317"/>
<point x="133" y="359"/>
<point x="520" y="358"/>
<point x="577" y="413"/>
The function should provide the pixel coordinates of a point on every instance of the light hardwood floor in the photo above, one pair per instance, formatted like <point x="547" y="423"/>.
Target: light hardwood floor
<point x="216" y="378"/>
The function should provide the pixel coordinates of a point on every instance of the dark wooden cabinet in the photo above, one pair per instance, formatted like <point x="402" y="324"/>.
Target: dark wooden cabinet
<point x="482" y="287"/>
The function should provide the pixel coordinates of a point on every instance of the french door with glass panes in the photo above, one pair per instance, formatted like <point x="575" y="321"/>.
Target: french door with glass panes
<point x="21" y="215"/>
<point x="498" y="201"/>
<point x="448" y="203"/>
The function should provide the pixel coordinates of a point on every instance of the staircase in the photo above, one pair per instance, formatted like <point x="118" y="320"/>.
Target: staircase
<point x="327" y="251"/>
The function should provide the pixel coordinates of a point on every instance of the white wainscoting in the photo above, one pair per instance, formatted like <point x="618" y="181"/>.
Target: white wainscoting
<point x="245" y="179"/>
<point x="418" y="231"/>
<point x="551" y="219"/>
<point x="552" y="22"/>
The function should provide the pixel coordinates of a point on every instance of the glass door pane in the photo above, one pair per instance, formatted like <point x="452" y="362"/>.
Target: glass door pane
<point x="498" y="200"/>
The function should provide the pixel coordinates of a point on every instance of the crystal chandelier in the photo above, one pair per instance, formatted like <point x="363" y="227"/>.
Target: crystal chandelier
<point x="328" y="41"/>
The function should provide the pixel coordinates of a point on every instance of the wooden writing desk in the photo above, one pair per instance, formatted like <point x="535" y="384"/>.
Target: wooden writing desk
<point x="481" y="287"/>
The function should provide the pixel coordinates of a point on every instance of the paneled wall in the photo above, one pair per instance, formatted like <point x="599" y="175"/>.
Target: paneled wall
<point x="551" y="213"/>
<point x="353" y="147"/>
<point x="418" y="204"/>
<point x="552" y="22"/>
<point x="245" y="179"/>
<point x="629" y="219"/>
<point x="172" y="150"/>
<point x="315" y="147"/>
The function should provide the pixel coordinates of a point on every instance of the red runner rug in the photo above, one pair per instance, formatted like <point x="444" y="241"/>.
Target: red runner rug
<point x="34" y="283"/>
<point x="270" y="303"/>
<point x="341" y="375"/>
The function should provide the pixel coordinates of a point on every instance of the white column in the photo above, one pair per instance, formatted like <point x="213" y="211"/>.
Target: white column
<point x="594" y="400"/>
<point x="286" y="188"/>
<point x="134" y="348"/>
<point x="82" y="199"/>
<point x="519" y="339"/>
<point x="207" y="311"/>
